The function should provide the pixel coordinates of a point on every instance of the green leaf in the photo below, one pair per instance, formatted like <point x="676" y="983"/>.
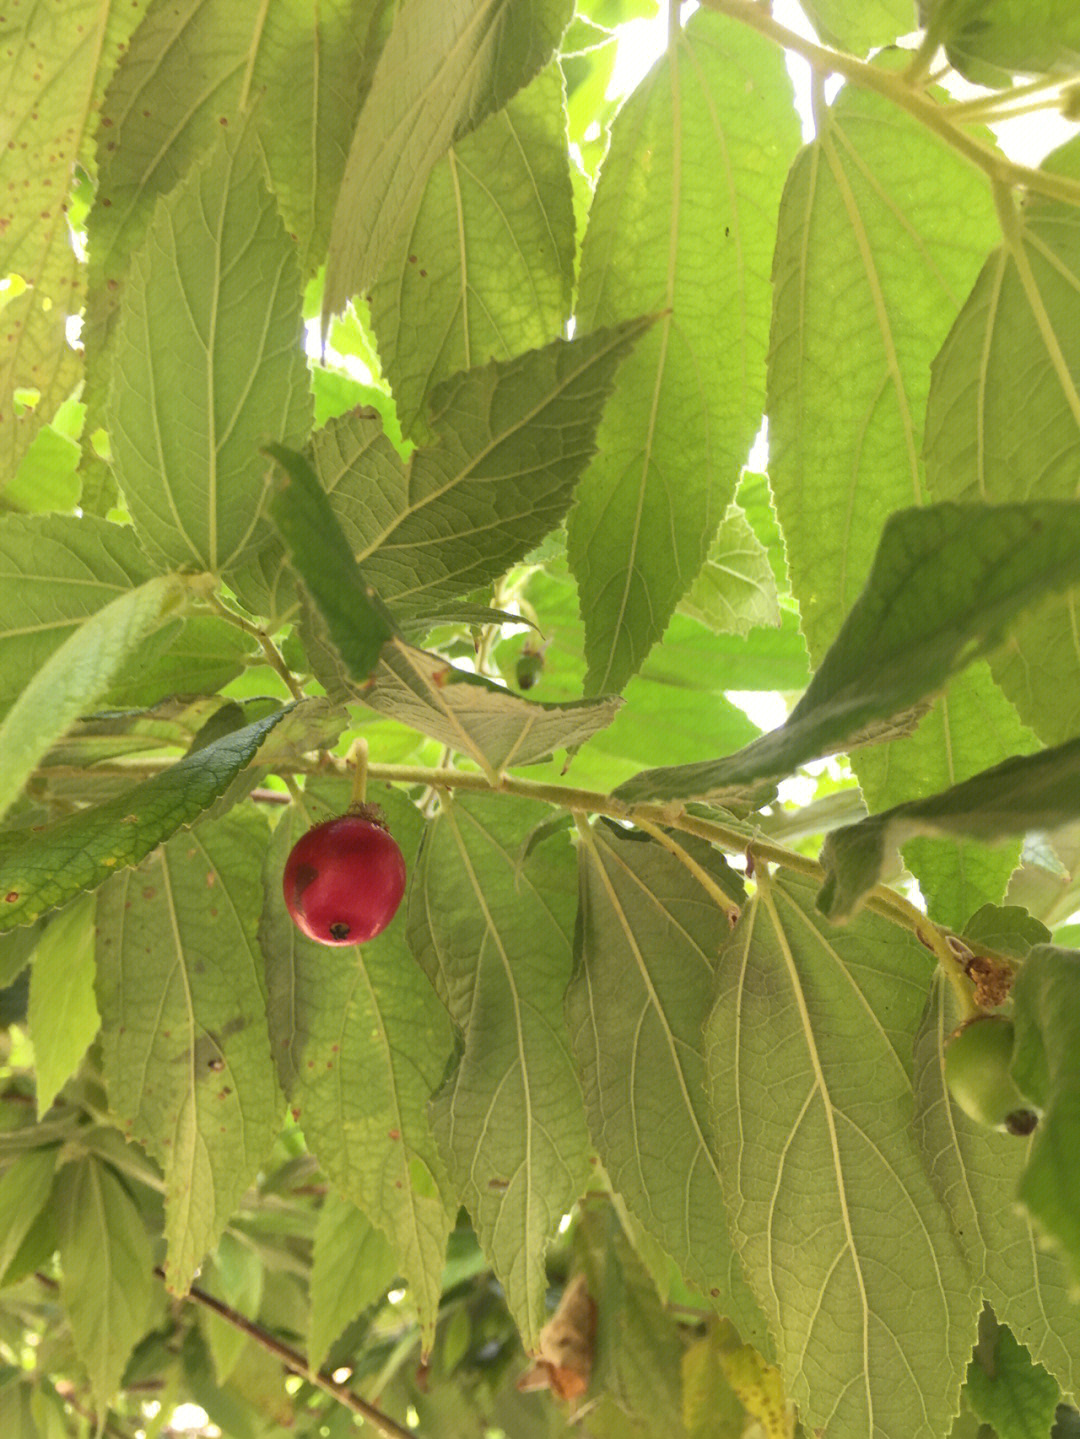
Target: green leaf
<point x="473" y="715"/>
<point x="55" y="572"/>
<point x="735" y="591"/>
<point x="1006" y="1390"/>
<point x="24" y="1193"/>
<point x="57" y="58"/>
<point x="946" y="584"/>
<point x="108" y="1271"/>
<point x="47" y="868"/>
<point x="352" y="1266"/>
<point x="359" y="624"/>
<point x="314" y="66"/>
<point x="1001" y="425"/>
<point x="205" y="654"/>
<point x="860" y="25"/>
<point x="75" y="676"/>
<point x="646" y="946"/>
<point x="843" y="1238"/>
<point x="1005" y="929"/>
<point x="446" y="66"/>
<point x="181" y="991"/>
<point x="185" y="74"/>
<point x="683" y="221"/>
<point x="236" y="1276"/>
<point x="1027" y="792"/>
<point x="1046" y="996"/>
<point x="495" y="937"/>
<point x="510" y="443"/>
<point x="990" y="41"/>
<point x="881" y="233"/>
<point x="970" y="726"/>
<point x="485" y="270"/>
<point x="975" y="1171"/>
<point x="207" y="364"/>
<point x="62" y="1015"/>
<point x="364" y="1043"/>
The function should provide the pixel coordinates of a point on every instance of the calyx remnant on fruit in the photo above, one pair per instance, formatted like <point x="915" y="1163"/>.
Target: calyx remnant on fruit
<point x="977" y="1059"/>
<point x="345" y="878"/>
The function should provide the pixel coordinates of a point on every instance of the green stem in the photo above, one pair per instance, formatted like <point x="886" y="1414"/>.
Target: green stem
<point x="932" y="113"/>
<point x="271" y="653"/>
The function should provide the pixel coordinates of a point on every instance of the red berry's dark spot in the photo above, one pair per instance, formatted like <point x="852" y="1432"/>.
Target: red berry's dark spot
<point x="1021" y="1122"/>
<point x="340" y="931"/>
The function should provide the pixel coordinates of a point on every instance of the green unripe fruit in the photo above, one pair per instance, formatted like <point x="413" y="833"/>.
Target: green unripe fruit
<point x="977" y="1062"/>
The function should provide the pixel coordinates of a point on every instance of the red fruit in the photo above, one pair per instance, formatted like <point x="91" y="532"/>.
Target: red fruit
<point x="344" y="880"/>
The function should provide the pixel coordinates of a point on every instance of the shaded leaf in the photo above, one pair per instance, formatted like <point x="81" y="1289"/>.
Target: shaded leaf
<point x="43" y="869"/>
<point x="473" y="715"/>
<point x="646" y="949"/>
<point x="108" y="1271"/>
<point x="735" y="591"/>
<point x="352" y="1267"/>
<point x="181" y="991"/>
<point x="74" y="677"/>
<point x="61" y="1012"/>
<point x="484" y="271"/>
<point x="843" y="1238"/>
<point x="446" y="66"/>
<point x="975" y="1171"/>
<point x="55" y="572"/>
<point x="946" y="583"/>
<point x="1006" y="1390"/>
<point x="510" y="441"/>
<point x="1047" y="1006"/>
<point x="207" y="364"/>
<point x="1014" y="351"/>
<point x="494" y="934"/>
<point x="1024" y="793"/>
<point x="683" y="222"/>
<point x="871" y="265"/>
<point x="970" y="727"/>
<point x="25" y="1187"/>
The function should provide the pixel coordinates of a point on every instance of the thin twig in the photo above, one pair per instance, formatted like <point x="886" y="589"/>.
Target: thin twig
<point x="297" y="1364"/>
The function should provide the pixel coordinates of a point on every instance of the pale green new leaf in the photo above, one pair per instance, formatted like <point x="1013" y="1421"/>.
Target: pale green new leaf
<point x="57" y="57"/>
<point x="484" y="271"/>
<point x="74" y="677"/>
<point x="352" y="1266"/>
<point x="946" y="584"/>
<point x="494" y="934"/>
<point x="446" y="66"/>
<point x="362" y="1043"/>
<point x="510" y="441"/>
<point x="860" y="25"/>
<point x="207" y="365"/>
<point x="842" y="1236"/>
<point x="881" y="233"/>
<point x="56" y="571"/>
<point x="24" y="1192"/>
<point x="314" y="64"/>
<point x="970" y="727"/>
<point x="107" y="1265"/>
<point x="62" y="1015"/>
<point x="1027" y="792"/>
<point x="683" y="222"/>
<point x="1003" y="423"/>
<point x="1047" y="1005"/>
<point x="976" y="1171"/>
<point x="646" y="949"/>
<point x="182" y="994"/>
<point x="735" y="591"/>
<point x="49" y="866"/>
